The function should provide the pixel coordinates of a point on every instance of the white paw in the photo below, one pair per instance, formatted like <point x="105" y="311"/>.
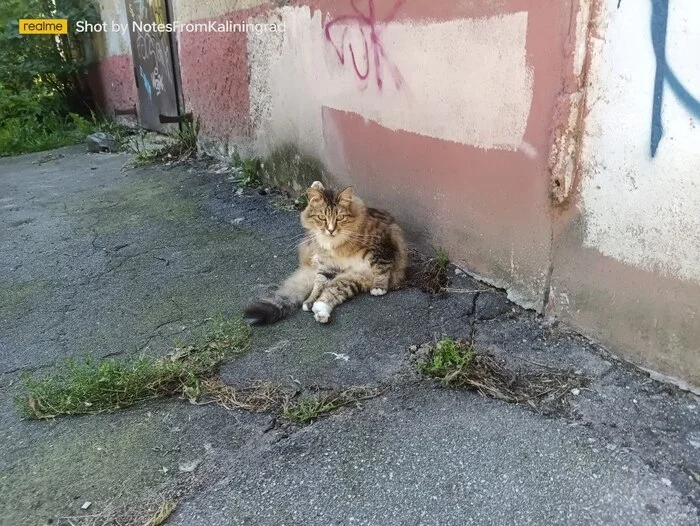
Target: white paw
<point x="306" y="307"/>
<point x="322" y="312"/>
<point x="377" y="292"/>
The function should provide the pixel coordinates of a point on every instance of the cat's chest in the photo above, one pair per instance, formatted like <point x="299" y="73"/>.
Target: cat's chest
<point x="345" y="263"/>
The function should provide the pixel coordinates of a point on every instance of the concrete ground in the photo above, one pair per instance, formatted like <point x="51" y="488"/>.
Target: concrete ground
<point x="97" y="260"/>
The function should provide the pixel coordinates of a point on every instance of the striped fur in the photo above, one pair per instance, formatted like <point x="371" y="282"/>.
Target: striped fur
<point x="348" y="249"/>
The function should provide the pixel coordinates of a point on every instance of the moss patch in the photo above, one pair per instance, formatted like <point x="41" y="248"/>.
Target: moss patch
<point x="113" y="467"/>
<point x="287" y="168"/>
<point x="134" y="204"/>
<point x="14" y="296"/>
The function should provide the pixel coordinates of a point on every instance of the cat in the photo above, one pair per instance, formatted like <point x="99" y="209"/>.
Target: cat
<point x="348" y="249"/>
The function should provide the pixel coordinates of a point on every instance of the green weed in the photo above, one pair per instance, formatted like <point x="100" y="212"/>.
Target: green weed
<point x="249" y="169"/>
<point x="442" y="259"/>
<point x="449" y="360"/>
<point x="177" y="147"/>
<point x="91" y="386"/>
<point x="456" y="364"/>
<point x="308" y="408"/>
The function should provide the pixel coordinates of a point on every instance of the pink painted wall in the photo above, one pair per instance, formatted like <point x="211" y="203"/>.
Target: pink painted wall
<point x="111" y="76"/>
<point x="214" y="71"/>
<point x="112" y="83"/>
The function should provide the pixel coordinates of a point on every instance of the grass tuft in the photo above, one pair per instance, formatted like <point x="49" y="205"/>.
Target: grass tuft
<point x="248" y="170"/>
<point x="90" y="386"/>
<point x="456" y="364"/>
<point x="449" y="360"/>
<point x="442" y="259"/>
<point x="179" y="146"/>
<point x="308" y="408"/>
<point x="428" y="274"/>
<point x="287" y="168"/>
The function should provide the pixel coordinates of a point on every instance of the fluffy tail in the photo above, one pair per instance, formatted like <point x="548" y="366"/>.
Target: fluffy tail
<point x="284" y="301"/>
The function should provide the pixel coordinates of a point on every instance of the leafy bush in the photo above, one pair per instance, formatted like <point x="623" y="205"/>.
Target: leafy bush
<point x="42" y="77"/>
<point x="55" y="63"/>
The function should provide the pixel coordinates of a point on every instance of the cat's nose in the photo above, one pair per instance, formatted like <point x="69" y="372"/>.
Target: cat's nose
<point x="330" y="228"/>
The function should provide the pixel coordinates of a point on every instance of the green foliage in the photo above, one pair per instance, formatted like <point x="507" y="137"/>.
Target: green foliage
<point x="442" y="259"/>
<point x="249" y="169"/>
<point x="302" y="202"/>
<point x="33" y="121"/>
<point x="308" y="408"/>
<point x="42" y="77"/>
<point x="448" y="361"/>
<point x="179" y="146"/>
<point x="53" y="62"/>
<point x="92" y="386"/>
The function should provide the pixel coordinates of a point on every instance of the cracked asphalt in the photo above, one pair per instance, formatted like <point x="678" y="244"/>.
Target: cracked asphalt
<point x="95" y="260"/>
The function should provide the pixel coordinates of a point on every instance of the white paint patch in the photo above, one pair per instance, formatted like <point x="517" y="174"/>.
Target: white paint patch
<point x="641" y="210"/>
<point x="528" y="149"/>
<point x="187" y="10"/>
<point x="464" y="80"/>
<point x="116" y="43"/>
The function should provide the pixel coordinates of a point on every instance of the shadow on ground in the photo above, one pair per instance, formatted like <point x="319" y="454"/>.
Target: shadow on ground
<point x="96" y="260"/>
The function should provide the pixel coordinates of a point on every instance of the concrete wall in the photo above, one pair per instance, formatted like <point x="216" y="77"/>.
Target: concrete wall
<point x="112" y="76"/>
<point x="521" y="135"/>
<point x="627" y="258"/>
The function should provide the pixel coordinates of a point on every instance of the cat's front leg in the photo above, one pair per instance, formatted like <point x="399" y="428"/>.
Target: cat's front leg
<point x="380" y="283"/>
<point x="315" y="293"/>
<point x="342" y="287"/>
<point x="323" y="276"/>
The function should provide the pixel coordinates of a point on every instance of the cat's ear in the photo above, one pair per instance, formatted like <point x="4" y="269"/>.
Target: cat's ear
<point x="318" y="185"/>
<point x="346" y="195"/>
<point x="314" y="194"/>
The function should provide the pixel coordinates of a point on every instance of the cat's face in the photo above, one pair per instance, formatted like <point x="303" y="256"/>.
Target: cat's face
<point x="328" y="214"/>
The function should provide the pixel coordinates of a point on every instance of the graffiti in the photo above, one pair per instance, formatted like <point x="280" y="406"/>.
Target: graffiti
<point x="665" y="76"/>
<point x="153" y="61"/>
<point x="149" y="45"/>
<point x="156" y="7"/>
<point x="369" y="30"/>
<point x="157" y="81"/>
<point x="146" y="83"/>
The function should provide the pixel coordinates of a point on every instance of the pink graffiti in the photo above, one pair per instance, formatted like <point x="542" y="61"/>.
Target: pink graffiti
<point x="370" y="30"/>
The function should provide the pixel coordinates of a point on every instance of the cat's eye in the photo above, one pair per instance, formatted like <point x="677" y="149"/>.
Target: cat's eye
<point x="340" y="217"/>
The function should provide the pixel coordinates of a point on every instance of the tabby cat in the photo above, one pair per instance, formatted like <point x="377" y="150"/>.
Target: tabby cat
<point x="348" y="248"/>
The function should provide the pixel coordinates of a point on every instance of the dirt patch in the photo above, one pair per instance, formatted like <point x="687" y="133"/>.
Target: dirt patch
<point x="428" y="274"/>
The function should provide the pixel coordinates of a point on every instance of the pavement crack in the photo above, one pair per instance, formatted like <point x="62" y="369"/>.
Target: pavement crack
<point x="156" y="331"/>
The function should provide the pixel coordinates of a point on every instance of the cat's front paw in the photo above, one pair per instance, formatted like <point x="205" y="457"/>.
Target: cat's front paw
<point x="322" y="311"/>
<point x="377" y="292"/>
<point x="307" y="306"/>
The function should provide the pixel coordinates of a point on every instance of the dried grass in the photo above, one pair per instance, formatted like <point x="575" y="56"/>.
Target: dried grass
<point x="261" y="397"/>
<point x="427" y="274"/>
<point x="457" y="364"/>
<point x="166" y="509"/>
